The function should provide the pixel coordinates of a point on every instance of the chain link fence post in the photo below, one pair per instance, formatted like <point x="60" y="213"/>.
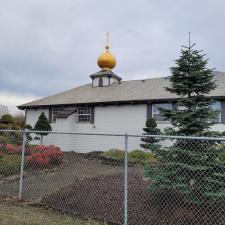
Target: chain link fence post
<point x="22" y="163"/>
<point x="126" y="180"/>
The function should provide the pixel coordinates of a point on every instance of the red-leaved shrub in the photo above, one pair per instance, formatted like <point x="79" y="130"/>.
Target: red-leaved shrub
<point x="13" y="149"/>
<point x="43" y="156"/>
<point x="37" y="156"/>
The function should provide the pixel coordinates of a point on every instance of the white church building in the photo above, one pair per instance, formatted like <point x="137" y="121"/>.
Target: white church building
<point x="110" y="105"/>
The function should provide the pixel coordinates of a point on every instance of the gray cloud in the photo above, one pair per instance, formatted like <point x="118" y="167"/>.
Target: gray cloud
<point x="48" y="46"/>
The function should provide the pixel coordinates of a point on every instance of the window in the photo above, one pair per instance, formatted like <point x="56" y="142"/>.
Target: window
<point x="100" y="82"/>
<point x="156" y="113"/>
<point x="66" y="111"/>
<point x="84" y="114"/>
<point x="217" y="107"/>
<point x="55" y="111"/>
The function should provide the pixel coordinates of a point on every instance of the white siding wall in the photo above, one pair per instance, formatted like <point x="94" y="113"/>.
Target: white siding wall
<point x="108" y="119"/>
<point x="113" y="80"/>
<point x="95" y="82"/>
<point x="33" y="114"/>
<point x="217" y="127"/>
<point x="105" y="81"/>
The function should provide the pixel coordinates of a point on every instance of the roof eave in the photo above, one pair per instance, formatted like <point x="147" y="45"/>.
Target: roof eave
<point x="136" y="101"/>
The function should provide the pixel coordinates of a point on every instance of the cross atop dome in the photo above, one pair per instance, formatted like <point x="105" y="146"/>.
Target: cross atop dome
<point x="106" y="61"/>
<point x="107" y="40"/>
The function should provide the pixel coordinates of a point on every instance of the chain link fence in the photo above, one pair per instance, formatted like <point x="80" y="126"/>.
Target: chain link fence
<point x="120" y="179"/>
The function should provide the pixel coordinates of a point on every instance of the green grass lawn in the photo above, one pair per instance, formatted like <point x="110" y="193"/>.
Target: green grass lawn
<point x="21" y="214"/>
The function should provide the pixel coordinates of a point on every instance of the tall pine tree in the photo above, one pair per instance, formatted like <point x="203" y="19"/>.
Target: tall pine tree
<point x="191" y="81"/>
<point x="191" y="167"/>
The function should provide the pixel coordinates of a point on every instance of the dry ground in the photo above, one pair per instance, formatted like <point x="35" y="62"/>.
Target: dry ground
<point x="88" y="188"/>
<point x="13" y="212"/>
<point x="102" y="198"/>
<point x="39" y="183"/>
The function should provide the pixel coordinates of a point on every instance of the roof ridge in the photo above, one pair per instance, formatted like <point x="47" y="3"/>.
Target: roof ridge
<point x="153" y="78"/>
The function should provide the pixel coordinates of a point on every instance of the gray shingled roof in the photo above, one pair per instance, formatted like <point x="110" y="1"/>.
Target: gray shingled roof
<point x="133" y="90"/>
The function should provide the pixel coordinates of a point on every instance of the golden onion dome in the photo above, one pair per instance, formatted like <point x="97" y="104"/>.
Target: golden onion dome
<point x="106" y="61"/>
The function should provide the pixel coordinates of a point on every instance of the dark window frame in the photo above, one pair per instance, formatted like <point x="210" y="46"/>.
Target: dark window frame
<point x="84" y="116"/>
<point x="160" y="116"/>
<point x="217" y="107"/>
<point x="55" y="110"/>
<point x="100" y="82"/>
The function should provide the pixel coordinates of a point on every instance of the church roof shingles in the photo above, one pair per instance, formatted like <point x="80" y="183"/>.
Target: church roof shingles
<point x="125" y="91"/>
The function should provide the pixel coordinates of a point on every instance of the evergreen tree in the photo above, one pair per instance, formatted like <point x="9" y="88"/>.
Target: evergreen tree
<point x="191" y="81"/>
<point x="42" y="125"/>
<point x="28" y="127"/>
<point x="151" y="129"/>
<point x="191" y="167"/>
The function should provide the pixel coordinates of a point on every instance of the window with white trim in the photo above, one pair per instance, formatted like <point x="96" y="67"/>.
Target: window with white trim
<point x="84" y="114"/>
<point x="156" y="114"/>
<point x="217" y="107"/>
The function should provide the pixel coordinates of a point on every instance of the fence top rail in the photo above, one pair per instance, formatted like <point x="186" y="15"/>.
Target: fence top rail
<point x="120" y="135"/>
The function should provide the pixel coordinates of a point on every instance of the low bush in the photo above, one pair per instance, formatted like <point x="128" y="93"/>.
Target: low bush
<point x="10" y="164"/>
<point x="113" y="154"/>
<point x="45" y="156"/>
<point x="36" y="156"/>
<point x="136" y="156"/>
<point x="3" y="139"/>
<point x="13" y="149"/>
<point x="13" y="137"/>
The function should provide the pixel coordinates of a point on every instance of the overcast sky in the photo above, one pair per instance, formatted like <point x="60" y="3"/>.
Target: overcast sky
<point x="48" y="46"/>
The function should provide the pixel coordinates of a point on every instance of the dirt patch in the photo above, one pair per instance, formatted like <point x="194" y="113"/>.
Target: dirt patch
<point x="40" y="182"/>
<point x="102" y="198"/>
<point x="85" y="186"/>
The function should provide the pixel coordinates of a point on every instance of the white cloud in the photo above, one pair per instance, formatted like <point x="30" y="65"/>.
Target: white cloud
<point x="49" y="46"/>
<point x="12" y="100"/>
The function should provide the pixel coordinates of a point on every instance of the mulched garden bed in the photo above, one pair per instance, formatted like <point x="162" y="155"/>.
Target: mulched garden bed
<point x="102" y="198"/>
